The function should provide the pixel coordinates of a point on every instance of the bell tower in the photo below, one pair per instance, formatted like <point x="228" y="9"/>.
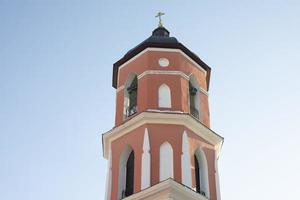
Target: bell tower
<point x="161" y="146"/>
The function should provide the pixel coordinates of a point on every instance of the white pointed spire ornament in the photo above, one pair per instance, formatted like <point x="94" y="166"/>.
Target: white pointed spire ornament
<point x="146" y="163"/>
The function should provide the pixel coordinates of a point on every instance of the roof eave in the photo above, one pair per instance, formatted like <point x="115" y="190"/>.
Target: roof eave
<point x="141" y="47"/>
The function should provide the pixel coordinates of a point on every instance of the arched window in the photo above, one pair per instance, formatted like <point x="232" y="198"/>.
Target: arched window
<point x="194" y="97"/>
<point x="130" y="95"/>
<point x="201" y="173"/>
<point x="129" y="175"/>
<point x="197" y="174"/>
<point x="164" y="96"/>
<point x="126" y="173"/>
<point x="165" y="161"/>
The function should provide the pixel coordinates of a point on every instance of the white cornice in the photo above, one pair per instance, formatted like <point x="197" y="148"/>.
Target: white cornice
<point x="162" y="118"/>
<point x="166" y="190"/>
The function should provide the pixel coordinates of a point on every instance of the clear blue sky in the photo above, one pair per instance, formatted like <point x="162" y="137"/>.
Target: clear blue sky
<point x="56" y="97"/>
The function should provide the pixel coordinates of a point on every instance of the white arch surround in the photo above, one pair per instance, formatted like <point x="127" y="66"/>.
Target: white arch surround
<point x="164" y="96"/>
<point x="186" y="162"/>
<point x="203" y="171"/>
<point x="122" y="169"/>
<point x="166" y="169"/>
<point x="146" y="162"/>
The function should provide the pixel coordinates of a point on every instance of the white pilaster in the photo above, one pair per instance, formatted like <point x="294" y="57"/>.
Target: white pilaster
<point x="217" y="178"/>
<point x="185" y="162"/>
<point x="108" y="178"/>
<point x="146" y="163"/>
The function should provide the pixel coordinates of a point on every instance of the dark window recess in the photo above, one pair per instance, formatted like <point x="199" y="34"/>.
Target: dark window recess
<point x="132" y="91"/>
<point x="197" y="177"/>
<point x="193" y="90"/>
<point x="193" y="110"/>
<point x="203" y="193"/>
<point x="129" y="175"/>
<point x="197" y="174"/>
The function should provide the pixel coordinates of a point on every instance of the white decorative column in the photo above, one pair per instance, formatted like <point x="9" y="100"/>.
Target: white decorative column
<point x="146" y="163"/>
<point x="108" y="178"/>
<point x="185" y="162"/>
<point x="217" y="177"/>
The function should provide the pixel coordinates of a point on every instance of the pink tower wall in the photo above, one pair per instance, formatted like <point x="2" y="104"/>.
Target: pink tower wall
<point x="159" y="133"/>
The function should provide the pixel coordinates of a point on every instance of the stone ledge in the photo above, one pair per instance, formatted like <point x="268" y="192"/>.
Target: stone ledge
<point x="167" y="190"/>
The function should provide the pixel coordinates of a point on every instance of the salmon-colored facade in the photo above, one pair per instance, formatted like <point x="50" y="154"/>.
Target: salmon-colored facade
<point x="162" y="124"/>
<point x="148" y="84"/>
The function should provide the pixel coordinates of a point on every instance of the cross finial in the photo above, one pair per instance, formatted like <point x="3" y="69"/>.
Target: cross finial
<point x="159" y="14"/>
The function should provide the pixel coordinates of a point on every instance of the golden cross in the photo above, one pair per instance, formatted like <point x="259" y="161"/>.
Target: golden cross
<point x="159" y="14"/>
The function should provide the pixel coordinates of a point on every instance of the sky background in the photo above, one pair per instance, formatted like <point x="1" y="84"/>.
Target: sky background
<point x="56" y="97"/>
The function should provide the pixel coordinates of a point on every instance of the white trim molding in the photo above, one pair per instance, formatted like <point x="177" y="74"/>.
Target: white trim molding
<point x="163" y="72"/>
<point x="203" y="91"/>
<point x="162" y="118"/>
<point x="120" y="88"/>
<point x="163" y="62"/>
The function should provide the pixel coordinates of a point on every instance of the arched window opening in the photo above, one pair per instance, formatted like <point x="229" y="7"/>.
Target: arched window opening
<point x="130" y="95"/>
<point x="164" y="96"/>
<point x="197" y="174"/>
<point x="194" y="97"/>
<point x="201" y="173"/>
<point x="126" y="173"/>
<point x="165" y="161"/>
<point x="129" y="175"/>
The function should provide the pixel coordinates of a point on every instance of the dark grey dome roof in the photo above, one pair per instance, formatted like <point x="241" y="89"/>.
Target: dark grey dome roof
<point x="159" y="36"/>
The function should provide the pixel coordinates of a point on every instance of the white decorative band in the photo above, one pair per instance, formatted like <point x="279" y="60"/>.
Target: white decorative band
<point x="120" y="88"/>
<point x="163" y="72"/>
<point x="162" y="118"/>
<point x="203" y="91"/>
